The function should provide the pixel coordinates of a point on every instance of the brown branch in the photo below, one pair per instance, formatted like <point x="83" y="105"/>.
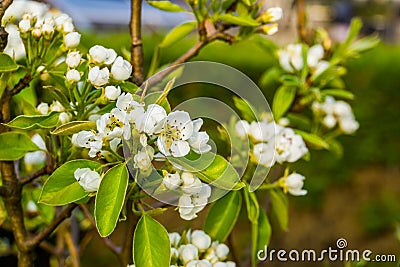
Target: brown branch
<point x="127" y="246"/>
<point x="135" y="27"/>
<point x="23" y="83"/>
<point x="3" y="34"/>
<point x="65" y="213"/>
<point x="302" y="22"/>
<point x="4" y="191"/>
<point x="113" y="247"/>
<point x="27" y="179"/>
<point x="71" y="248"/>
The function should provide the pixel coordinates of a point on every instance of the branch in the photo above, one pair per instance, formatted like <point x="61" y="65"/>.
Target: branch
<point x="136" y="41"/>
<point x="114" y="248"/>
<point x="52" y="226"/>
<point x="29" y="178"/>
<point x="4" y="191"/>
<point x="3" y="34"/>
<point x="301" y="21"/>
<point x="23" y="83"/>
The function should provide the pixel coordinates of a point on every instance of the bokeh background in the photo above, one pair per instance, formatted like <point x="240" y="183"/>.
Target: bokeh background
<point x="357" y="196"/>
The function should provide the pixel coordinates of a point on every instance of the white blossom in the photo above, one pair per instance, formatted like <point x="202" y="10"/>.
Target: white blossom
<point x="83" y="138"/>
<point x="291" y="58"/>
<point x="264" y="153"/>
<point x="199" y="263"/>
<point x="294" y="184"/>
<point x="98" y="77"/>
<point x="121" y="69"/>
<point x="174" y="133"/>
<point x="88" y="179"/>
<point x="114" y="124"/>
<point x="261" y="131"/>
<point x="72" y="40"/>
<point x="143" y="158"/>
<point x="174" y="239"/>
<point x="24" y="25"/>
<point x="198" y="141"/>
<point x="172" y="180"/>
<point x="289" y="146"/>
<point x="201" y="240"/>
<point x="64" y="117"/>
<point x="188" y="252"/>
<point x="73" y="76"/>
<point x="134" y="110"/>
<point x="112" y="92"/>
<point x="222" y="251"/>
<point x="43" y="108"/>
<point x="73" y="59"/>
<point x="56" y="106"/>
<point x="36" y="157"/>
<point x="242" y="128"/>
<point x="191" y="183"/>
<point x="314" y="55"/>
<point x="98" y="54"/>
<point x="274" y="14"/>
<point x="112" y="55"/>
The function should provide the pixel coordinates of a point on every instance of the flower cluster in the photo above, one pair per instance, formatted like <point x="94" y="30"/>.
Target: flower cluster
<point x="291" y="58"/>
<point x="269" y="19"/>
<point x="174" y="134"/>
<point x="196" y="249"/>
<point x="29" y="23"/>
<point x="194" y="194"/>
<point x="272" y="142"/>
<point x="44" y="109"/>
<point x="334" y="112"/>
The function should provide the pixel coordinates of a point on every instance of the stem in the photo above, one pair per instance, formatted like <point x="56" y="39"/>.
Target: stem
<point x="136" y="41"/>
<point x="301" y="21"/>
<point x="131" y="222"/>
<point x="52" y="226"/>
<point x="27" y="179"/>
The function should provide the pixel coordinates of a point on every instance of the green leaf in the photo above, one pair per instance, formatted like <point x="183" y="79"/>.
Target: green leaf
<point x="15" y="145"/>
<point x="270" y="78"/>
<point x="299" y="120"/>
<point x="279" y="210"/>
<point x="313" y="139"/>
<point x="4" y="77"/>
<point x="24" y="122"/>
<point x="178" y="33"/>
<point x="151" y="246"/>
<point x="335" y="147"/>
<point x="283" y="99"/>
<point x="211" y="168"/>
<point x="252" y="206"/>
<point x="264" y="230"/>
<point x="110" y="199"/>
<point x="129" y="87"/>
<point x="166" y="6"/>
<point x="364" y="44"/>
<point x="338" y="93"/>
<point x="222" y="216"/>
<point x="61" y="187"/>
<point x="245" y="108"/>
<point x="240" y="21"/>
<point x="7" y="64"/>
<point x="74" y="127"/>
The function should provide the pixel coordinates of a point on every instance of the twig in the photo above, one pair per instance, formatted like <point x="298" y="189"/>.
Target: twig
<point x="113" y="247"/>
<point x="27" y="179"/>
<point x="301" y="21"/>
<point x="52" y="226"/>
<point x="71" y="248"/>
<point x="23" y="83"/>
<point x="131" y="222"/>
<point x="135" y="27"/>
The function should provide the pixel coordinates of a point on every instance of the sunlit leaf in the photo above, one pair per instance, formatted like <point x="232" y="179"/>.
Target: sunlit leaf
<point x="14" y="146"/>
<point x="178" y="33"/>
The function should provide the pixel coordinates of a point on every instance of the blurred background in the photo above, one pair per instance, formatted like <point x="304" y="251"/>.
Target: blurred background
<point x="356" y="197"/>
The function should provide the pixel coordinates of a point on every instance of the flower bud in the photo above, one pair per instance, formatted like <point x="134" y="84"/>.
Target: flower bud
<point x="270" y="29"/>
<point x="73" y="76"/>
<point x="88" y="179"/>
<point x="98" y="54"/>
<point x="64" y="117"/>
<point x="99" y="77"/>
<point x="172" y="181"/>
<point x="43" y="108"/>
<point x="47" y="30"/>
<point x="112" y="92"/>
<point x="73" y="59"/>
<point x="174" y="239"/>
<point x="188" y="252"/>
<point x="201" y="240"/>
<point x="72" y="40"/>
<point x="121" y="69"/>
<point x="294" y="184"/>
<point x="242" y="128"/>
<point x="36" y="33"/>
<point x="24" y="25"/>
<point x="222" y="251"/>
